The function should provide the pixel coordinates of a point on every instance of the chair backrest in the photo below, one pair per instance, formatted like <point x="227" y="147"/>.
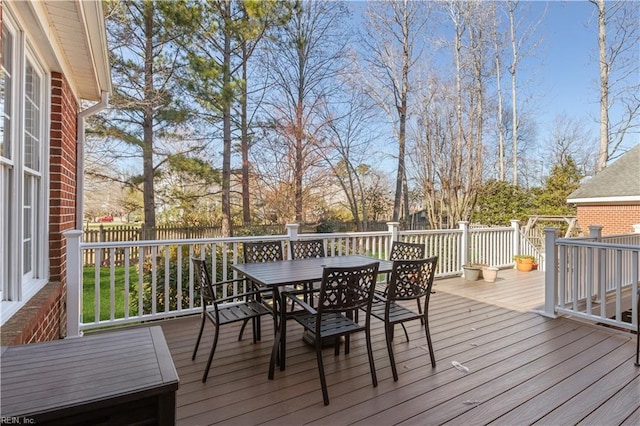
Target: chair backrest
<point x="347" y="288"/>
<point x="307" y="249"/>
<point x="266" y="251"/>
<point x="203" y="283"/>
<point x="406" y="251"/>
<point x="411" y="279"/>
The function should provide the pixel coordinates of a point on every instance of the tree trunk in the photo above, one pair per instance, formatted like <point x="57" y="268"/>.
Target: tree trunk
<point x="514" y="113"/>
<point x="299" y="130"/>
<point x="244" y="143"/>
<point x="603" y="155"/>
<point x="147" y="128"/>
<point x="501" y="159"/>
<point x="226" y="130"/>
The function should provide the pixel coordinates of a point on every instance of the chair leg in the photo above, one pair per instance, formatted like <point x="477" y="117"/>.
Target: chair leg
<point x="405" y="329"/>
<point x="429" y="343"/>
<point x="274" y="351"/>
<point x="257" y="334"/>
<point x="323" y="380"/>
<point x="195" y="350"/>
<point x="372" y="366"/>
<point x="388" y="332"/>
<point x="283" y="340"/>
<point x="213" y="349"/>
<point x="244" y="324"/>
<point x="420" y="312"/>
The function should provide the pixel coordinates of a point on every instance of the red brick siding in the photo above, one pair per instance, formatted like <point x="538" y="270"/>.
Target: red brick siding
<point x="62" y="203"/>
<point x="44" y="317"/>
<point x="616" y="219"/>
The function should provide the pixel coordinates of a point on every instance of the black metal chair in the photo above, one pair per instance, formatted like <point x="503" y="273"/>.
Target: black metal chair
<point x="308" y="249"/>
<point x="403" y="251"/>
<point x="410" y="280"/>
<point x="259" y="252"/>
<point x="343" y="291"/>
<point x="406" y="251"/>
<point x="245" y="307"/>
<point x="263" y="251"/>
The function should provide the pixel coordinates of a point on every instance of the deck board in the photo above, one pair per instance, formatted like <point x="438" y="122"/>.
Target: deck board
<point x="524" y="368"/>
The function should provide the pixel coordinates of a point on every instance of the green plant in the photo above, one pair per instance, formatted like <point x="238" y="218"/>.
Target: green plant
<point x="521" y="257"/>
<point x="178" y="286"/>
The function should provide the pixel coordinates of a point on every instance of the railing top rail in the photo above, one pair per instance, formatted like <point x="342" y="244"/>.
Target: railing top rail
<point x="228" y="240"/>
<point x="497" y="228"/>
<point x="324" y="236"/>
<point x="582" y="243"/>
<point x="151" y="243"/>
<point x="431" y="232"/>
<point x="631" y="234"/>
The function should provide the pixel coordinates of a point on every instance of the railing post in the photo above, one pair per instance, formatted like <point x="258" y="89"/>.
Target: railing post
<point x="74" y="282"/>
<point x="464" y="243"/>
<point x="550" y="272"/>
<point x="515" y="224"/>
<point x="393" y="230"/>
<point x="292" y="231"/>
<point x="595" y="232"/>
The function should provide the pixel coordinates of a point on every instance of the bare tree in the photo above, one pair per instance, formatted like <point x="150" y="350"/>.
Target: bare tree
<point x="569" y="138"/>
<point x="523" y="42"/>
<point x="619" y="68"/>
<point x="390" y="40"/>
<point x="305" y="61"/>
<point x="497" y="49"/>
<point x="347" y="151"/>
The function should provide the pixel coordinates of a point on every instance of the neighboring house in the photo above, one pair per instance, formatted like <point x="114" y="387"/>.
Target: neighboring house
<point x="54" y="56"/>
<point x="612" y="197"/>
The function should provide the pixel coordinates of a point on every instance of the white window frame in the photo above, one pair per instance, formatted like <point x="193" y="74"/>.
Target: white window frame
<point x="18" y="288"/>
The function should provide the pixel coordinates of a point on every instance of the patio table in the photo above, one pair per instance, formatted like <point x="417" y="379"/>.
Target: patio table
<point x="279" y="274"/>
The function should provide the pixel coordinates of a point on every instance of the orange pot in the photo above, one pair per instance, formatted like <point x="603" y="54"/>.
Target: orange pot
<point x="524" y="265"/>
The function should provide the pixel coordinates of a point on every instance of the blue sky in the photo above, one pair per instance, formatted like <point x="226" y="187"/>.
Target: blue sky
<point x="561" y="75"/>
<point x="567" y="61"/>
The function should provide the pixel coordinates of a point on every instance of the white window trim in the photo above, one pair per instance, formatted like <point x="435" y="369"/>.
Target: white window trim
<point x="19" y="289"/>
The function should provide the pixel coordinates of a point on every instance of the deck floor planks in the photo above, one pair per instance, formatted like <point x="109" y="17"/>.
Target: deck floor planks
<point x="548" y="390"/>
<point x="505" y="346"/>
<point x="483" y="370"/>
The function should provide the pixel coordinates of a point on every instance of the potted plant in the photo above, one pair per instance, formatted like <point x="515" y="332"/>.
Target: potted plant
<point x="490" y="274"/>
<point x="472" y="271"/>
<point x="524" y="262"/>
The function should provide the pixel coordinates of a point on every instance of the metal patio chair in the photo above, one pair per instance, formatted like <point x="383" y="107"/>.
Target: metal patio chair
<point x="410" y="280"/>
<point x="241" y="307"/>
<point x="343" y="291"/>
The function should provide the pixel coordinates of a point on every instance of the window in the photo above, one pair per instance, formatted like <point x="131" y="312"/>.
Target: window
<point x="23" y="173"/>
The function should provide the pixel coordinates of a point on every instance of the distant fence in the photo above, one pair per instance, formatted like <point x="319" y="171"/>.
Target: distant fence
<point x="116" y="233"/>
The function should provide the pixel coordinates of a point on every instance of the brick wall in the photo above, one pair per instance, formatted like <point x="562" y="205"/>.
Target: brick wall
<point x="43" y="318"/>
<point x="615" y="219"/>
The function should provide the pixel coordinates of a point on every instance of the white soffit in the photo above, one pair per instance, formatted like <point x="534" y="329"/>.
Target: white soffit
<point x="76" y="30"/>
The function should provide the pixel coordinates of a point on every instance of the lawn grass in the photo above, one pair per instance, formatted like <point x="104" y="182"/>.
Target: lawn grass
<point x="88" y="291"/>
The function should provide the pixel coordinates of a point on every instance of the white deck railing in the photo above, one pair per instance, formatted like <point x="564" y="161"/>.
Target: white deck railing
<point x="594" y="278"/>
<point x="134" y="281"/>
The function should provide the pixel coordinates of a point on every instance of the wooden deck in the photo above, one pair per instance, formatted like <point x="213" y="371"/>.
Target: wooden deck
<point x="523" y="369"/>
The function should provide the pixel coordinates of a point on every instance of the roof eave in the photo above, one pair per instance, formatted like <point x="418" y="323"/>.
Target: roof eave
<point x="631" y="199"/>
